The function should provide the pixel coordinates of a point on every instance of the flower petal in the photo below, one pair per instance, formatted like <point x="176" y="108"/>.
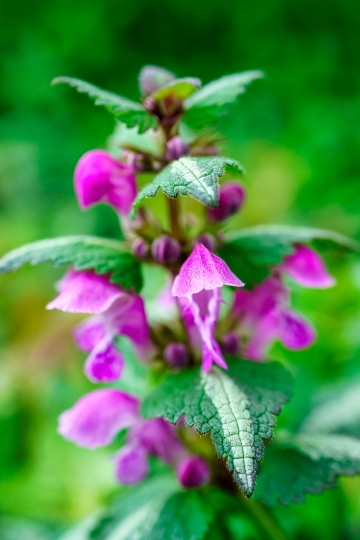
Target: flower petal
<point x="306" y="267"/>
<point x="85" y="292"/>
<point x="105" y="363"/>
<point x="264" y="333"/>
<point x="294" y="332"/>
<point x="101" y="178"/>
<point x="97" y="417"/>
<point x="158" y="437"/>
<point x="88" y="333"/>
<point x="203" y="270"/>
<point x="131" y="464"/>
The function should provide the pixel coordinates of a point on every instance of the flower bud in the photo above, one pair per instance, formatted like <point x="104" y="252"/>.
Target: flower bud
<point x="192" y="472"/>
<point x="231" y="198"/>
<point x="176" y="354"/>
<point x="176" y="148"/>
<point x="152" y="78"/>
<point x="165" y="250"/>
<point x="230" y="343"/>
<point x="140" y="248"/>
<point x="208" y="241"/>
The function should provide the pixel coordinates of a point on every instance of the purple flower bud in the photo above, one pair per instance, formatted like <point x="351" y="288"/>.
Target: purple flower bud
<point x="193" y="471"/>
<point x="231" y="199"/>
<point x="140" y="248"/>
<point x="177" y="355"/>
<point x="165" y="249"/>
<point x="176" y="148"/>
<point x="230" y="343"/>
<point x="208" y="241"/>
<point x="152" y="78"/>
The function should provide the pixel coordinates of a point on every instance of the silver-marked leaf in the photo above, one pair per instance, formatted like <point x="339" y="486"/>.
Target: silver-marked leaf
<point x="252" y="252"/>
<point x="206" y="105"/>
<point x="178" y="89"/>
<point x="151" y="142"/>
<point x="237" y="407"/>
<point x="83" y="253"/>
<point x="305" y="463"/>
<point x="197" y="177"/>
<point x="155" y="510"/>
<point x="127" y="111"/>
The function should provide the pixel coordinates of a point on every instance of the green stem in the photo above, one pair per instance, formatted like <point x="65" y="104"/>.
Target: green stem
<point x="264" y="521"/>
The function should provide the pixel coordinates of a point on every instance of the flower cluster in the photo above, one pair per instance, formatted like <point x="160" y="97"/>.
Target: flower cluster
<point x="256" y="317"/>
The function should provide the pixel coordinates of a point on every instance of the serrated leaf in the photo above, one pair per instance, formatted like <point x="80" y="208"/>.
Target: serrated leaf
<point x="251" y="252"/>
<point x="307" y="463"/>
<point x="153" y="511"/>
<point x="83" y="253"/>
<point x="197" y="177"/>
<point x="336" y="410"/>
<point x="178" y="89"/>
<point x="237" y="407"/>
<point x="207" y="104"/>
<point x="127" y="111"/>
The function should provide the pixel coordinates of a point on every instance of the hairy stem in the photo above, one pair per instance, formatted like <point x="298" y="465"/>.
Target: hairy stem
<point x="264" y="521"/>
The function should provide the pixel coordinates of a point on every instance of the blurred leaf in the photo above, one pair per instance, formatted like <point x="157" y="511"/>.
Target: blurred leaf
<point x="237" y="407"/>
<point x="178" y="89"/>
<point x="84" y="253"/>
<point x="129" y="112"/>
<point x="207" y="104"/>
<point x="307" y="463"/>
<point x="151" y="142"/>
<point x="197" y="177"/>
<point x="251" y="252"/>
<point x="135" y="376"/>
<point x="152" y="511"/>
<point x="337" y="411"/>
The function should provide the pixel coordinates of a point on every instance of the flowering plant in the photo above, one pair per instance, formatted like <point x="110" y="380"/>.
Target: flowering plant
<point x="193" y="360"/>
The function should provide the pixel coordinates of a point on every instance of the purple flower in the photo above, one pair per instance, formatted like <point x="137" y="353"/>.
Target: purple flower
<point x="231" y="198"/>
<point x="176" y="355"/>
<point x="176" y="148"/>
<point x="198" y="288"/>
<point x="306" y="267"/>
<point x="265" y="316"/>
<point x="193" y="472"/>
<point x="97" y="417"/>
<point x="131" y="464"/>
<point x="101" y="178"/>
<point x="165" y="250"/>
<point x="116" y="313"/>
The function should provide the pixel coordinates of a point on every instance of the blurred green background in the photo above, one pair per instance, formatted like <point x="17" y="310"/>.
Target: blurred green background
<point x="298" y="135"/>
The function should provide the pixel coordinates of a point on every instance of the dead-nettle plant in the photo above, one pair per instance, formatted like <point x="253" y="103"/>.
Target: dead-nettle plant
<point x="186" y="364"/>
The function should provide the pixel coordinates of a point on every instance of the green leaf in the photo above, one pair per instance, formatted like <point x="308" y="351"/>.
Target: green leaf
<point x="197" y="177"/>
<point x="207" y="104"/>
<point x="178" y="89"/>
<point x="136" y="374"/>
<point x="127" y="111"/>
<point x="237" y="407"/>
<point x="308" y="463"/>
<point x="152" y="142"/>
<point x="251" y="252"/>
<point x="337" y="410"/>
<point x="83" y="253"/>
<point x="153" y="511"/>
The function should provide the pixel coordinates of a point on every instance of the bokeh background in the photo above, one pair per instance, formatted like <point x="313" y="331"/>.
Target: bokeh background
<point x="298" y="135"/>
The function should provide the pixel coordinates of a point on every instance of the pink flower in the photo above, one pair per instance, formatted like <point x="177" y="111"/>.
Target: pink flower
<point x="117" y="312"/>
<point x="198" y="288"/>
<point x="97" y="417"/>
<point x="265" y="316"/>
<point x="101" y="178"/>
<point x="306" y="267"/>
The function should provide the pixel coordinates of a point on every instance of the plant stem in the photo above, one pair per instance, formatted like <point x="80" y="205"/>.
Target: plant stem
<point x="174" y="219"/>
<point x="264" y="521"/>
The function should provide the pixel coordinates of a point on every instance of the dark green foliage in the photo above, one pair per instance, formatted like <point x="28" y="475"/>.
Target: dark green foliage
<point x="237" y="407"/>
<point x="252" y="252"/>
<point x="83" y="253"/>
<point x="129" y="112"/>
<point x="194" y="176"/>
<point x="306" y="463"/>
